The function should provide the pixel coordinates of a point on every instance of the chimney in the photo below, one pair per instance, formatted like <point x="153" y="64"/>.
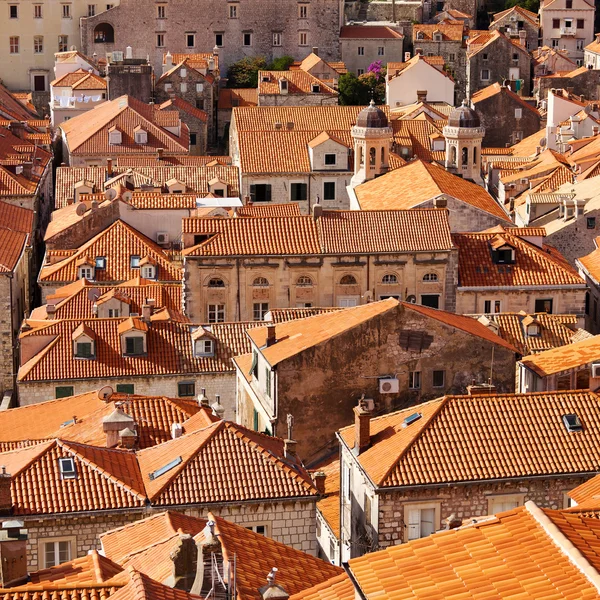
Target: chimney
<point x="271" y="335"/>
<point x="159" y="153"/>
<point x="481" y="389"/>
<point x="362" y="426"/>
<point x="317" y="210"/>
<point x="114" y="424"/>
<point x="109" y="167"/>
<point x="5" y="495"/>
<point x="168" y="62"/>
<point x="315" y="50"/>
<point x="94" y="204"/>
<point x="247" y="201"/>
<point x="202" y="399"/>
<point x="217" y="408"/>
<point x="184" y="563"/>
<point x="452" y="522"/>
<point x="319" y="478"/>
<point x="289" y="448"/>
<point x="421" y="95"/>
<point x="273" y="591"/>
<point x="129" y="52"/>
<point x="127" y="438"/>
<point x="50" y="310"/>
<point x="147" y="310"/>
<point x="13" y="554"/>
<point x="176" y="430"/>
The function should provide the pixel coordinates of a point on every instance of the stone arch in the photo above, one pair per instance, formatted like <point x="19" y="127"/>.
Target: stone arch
<point x="104" y="33"/>
<point x="372" y="155"/>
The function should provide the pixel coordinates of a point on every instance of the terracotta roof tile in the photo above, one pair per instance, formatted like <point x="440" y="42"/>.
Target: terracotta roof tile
<point x="449" y="32"/>
<point x="142" y="587"/>
<point x="336" y="588"/>
<point x="289" y="209"/>
<point x="299" y="82"/>
<point x="230" y="98"/>
<point x="12" y="246"/>
<point x="280" y="315"/>
<point x="177" y="103"/>
<point x="476" y="438"/>
<point x="591" y="262"/>
<point x="368" y="32"/>
<point x="527" y="14"/>
<point x="68" y="592"/>
<point x="495" y="89"/>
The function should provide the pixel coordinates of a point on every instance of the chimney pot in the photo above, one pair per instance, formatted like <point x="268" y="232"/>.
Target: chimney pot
<point x="202" y="399"/>
<point x="362" y="426"/>
<point x="319" y="478"/>
<point x="271" y="335"/>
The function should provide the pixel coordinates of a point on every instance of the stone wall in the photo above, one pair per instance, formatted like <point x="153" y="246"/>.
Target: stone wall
<point x="308" y="99"/>
<point x="586" y="84"/>
<point x="130" y="79"/>
<point x="576" y="238"/>
<point x="386" y="11"/>
<point x="512" y="29"/>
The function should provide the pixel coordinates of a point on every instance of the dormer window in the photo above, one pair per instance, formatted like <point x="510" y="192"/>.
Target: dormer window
<point x="437" y="37"/>
<point x="148" y="268"/>
<point x="84" y="342"/>
<point x="204" y="348"/>
<point x="533" y="330"/>
<point x="316" y="88"/>
<point x="420" y="35"/>
<point x="114" y="136"/>
<point x="504" y="255"/>
<point x="141" y="136"/>
<point x="84" y="350"/>
<point x="86" y="272"/>
<point x="283" y="84"/>
<point x="502" y="252"/>
<point x="133" y="332"/>
<point x="330" y="159"/>
<point x="134" y="345"/>
<point x="67" y="468"/>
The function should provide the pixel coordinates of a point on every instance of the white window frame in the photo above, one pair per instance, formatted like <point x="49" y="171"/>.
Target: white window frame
<point x="71" y="540"/>
<point x="303" y="38"/>
<point x="361" y="50"/>
<point x="276" y="38"/>
<point x="303" y="11"/>
<point x="71" y="473"/>
<point x="66" y="12"/>
<point x="420" y="506"/>
<point x="214" y="310"/>
<point x="161" y="11"/>
<point x="253" y="527"/>
<point x="517" y="499"/>
<point x="207" y="348"/>
<point x="232" y="11"/>
<point x="414" y="380"/>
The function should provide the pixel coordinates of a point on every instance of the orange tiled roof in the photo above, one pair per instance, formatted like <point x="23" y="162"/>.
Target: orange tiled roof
<point x="587" y="494"/>
<point x="198" y="60"/>
<point x="289" y="209"/>
<point x="419" y="182"/>
<point x="329" y="506"/>
<point x="339" y="587"/>
<point x="80" y="80"/>
<point x="533" y="266"/>
<point x="526" y="14"/>
<point x="12" y="246"/>
<point x="334" y="232"/>
<point x="591" y="262"/>
<point x="12" y="108"/>
<point x="169" y="351"/>
<point x="564" y="358"/>
<point x="396" y="68"/>
<point x="117" y="243"/>
<point x="229" y="456"/>
<point x="279" y="315"/>
<point x="142" y="587"/>
<point x="450" y="32"/>
<point x="517" y="554"/>
<point x="68" y="592"/>
<point x="496" y="88"/>
<point x="229" y="98"/>
<point x="477" y="438"/>
<point x="368" y="32"/>
<point x="88" y="134"/>
<point x="299" y="82"/>
<point x="177" y="103"/>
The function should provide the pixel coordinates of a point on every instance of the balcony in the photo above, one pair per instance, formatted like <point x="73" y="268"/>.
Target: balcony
<point x="568" y="31"/>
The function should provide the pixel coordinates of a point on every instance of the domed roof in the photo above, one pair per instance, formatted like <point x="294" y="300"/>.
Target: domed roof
<point x="372" y="116"/>
<point x="463" y="116"/>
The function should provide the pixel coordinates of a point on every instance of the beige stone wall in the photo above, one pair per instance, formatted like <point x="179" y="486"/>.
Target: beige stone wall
<point x="292" y="523"/>
<point x="325" y="273"/>
<point x="297" y="99"/>
<point x="393" y="51"/>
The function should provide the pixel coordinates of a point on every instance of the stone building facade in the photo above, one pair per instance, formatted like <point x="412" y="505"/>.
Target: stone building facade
<point x="361" y="45"/>
<point x="582" y="82"/>
<point x="248" y="28"/>
<point x="518" y="23"/>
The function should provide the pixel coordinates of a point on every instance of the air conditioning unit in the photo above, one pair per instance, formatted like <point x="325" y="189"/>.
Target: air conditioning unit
<point x="596" y="370"/>
<point x="162" y="237"/>
<point x="117" y="56"/>
<point x="389" y="385"/>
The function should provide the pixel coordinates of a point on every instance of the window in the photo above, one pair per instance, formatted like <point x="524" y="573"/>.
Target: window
<point x="451" y="57"/>
<point x="491" y="306"/>
<point x="261" y="282"/>
<point x="430" y="277"/>
<point x="303" y="38"/>
<point x="276" y="39"/>
<point x="219" y="40"/>
<point x="63" y="43"/>
<point x="580" y="24"/>
<point x="134" y="261"/>
<point x="63" y="391"/>
<point x="86" y="273"/>
<point x="515" y="57"/>
<point x="439" y="378"/>
<point x="262" y="529"/>
<point x="389" y="279"/>
<point x="298" y="192"/>
<point x="591" y="222"/>
<point x="216" y="313"/>
<point x="580" y="45"/>
<point x="361" y="50"/>
<point x="84" y="350"/>
<point x="543" y="305"/>
<point x="190" y="41"/>
<point x="37" y="11"/>
<point x="254" y="371"/>
<point x="247" y="39"/>
<point x="134" y="345"/>
<point x="485" y="74"/>
<point x="302" y="11"/>
<point x="485" y="56"/>
<point x="161" y="11"/>
<point x="100" y="262"/>
<point x="216" y="282"/>
<point x="569" y="4"/>
<point x="518" y="113"/>
<point x="329" y="190"/>
<point x="193" y="139"/>
<point x="38" y="44"/>
<point x="114" y="313"/>
<point x="268" y="381"/>
<point x="367" y="509"/>
<point x="555" y="43"/>
<point x="66" y="11"/>
<point x="67" y="468"/>
<point x="56" y="553"/>
<point x="330" y="159"/>
<point x="160" y="40"/>
<point x="149" y="272"/>
<point x="91" y="10"/>
<point x="414" y="380"/>
<point x="125" y="388"/>
<point x="233" y="13"/>
<point x="13" y="11"/>
<point x="420" y="520"/>
<point x="183" y="87"/>
<point x="555" y="23"/>
<point x="260" y="309"/>
<point x="204" y="348"/>
<point x="348" y="280"/>
<point x="14" y="44"/>
<point x="109" y="6"/>
<point x="503" y="502"/>
<point x="380" y="51"/>
<point x="304" y="281"/>
<point x="360" y="72"/>
<point x="186" y="389"/>
<point x="431" y="300"/>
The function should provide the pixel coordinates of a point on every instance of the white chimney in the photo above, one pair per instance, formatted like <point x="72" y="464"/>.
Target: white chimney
<point x="129" y="52"/>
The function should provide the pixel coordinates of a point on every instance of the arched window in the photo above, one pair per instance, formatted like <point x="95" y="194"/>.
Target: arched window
<point x="216" y="282"/>
<point x="382" y="156"/>
<point x="420" y="35"/>
<point x="261" y="282"/>
<point x="474" y="156"/>
<point x="372" y="153"/>
<point x="453" y="156"/>
<point x="304" y="281"/>
<point x="348" y="280"/>
<point x="465" y="156"/>
<point x="389" y="279"/>
<point x="430" y="277"/>
<point x="104" y="34"/>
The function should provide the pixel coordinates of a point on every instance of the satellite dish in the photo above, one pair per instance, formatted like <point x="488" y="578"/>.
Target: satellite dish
<point x="105" y="393"/>
<point x="543" y="141"/>
<point x="93" y="294"/>
<point x="80" y="210"/>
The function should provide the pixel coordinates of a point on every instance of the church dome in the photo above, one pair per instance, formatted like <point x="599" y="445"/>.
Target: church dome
<point x="372" y="116"/>
<point x="463" y="116"/>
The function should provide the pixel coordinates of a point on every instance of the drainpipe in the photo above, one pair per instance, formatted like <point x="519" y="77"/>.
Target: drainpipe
<point x="237" y="266"/>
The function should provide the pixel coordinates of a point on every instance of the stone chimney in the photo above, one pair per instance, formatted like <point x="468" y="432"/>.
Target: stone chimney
<point x="315" y="50"/>
<point x="147" y="311"/>
<point x="217" y="408"/>
<point x="273" y="591"/>
<point x="5" y="495"/>
<point x="128" y="438"/>
<point x="13" y="554"/>
<point x="51" y="310"/>
<point x="319" y="478"/>
<point x="271" y="335"/>
<point x="114" y="424"/>
<point x="317" y="210"/>
<point x="184" y="559"/>
<point x="452" y="522"/>
<point x="176" y="430"/>
<point x="289" y="448"/>
<point x="421" y="95"/>
<point x="362" y="426"/>
<point x="202" y="399"/>
<point x="481" y="389"/>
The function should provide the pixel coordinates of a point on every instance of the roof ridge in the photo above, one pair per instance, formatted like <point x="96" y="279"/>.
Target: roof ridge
<point x="564" y="544"/>
<point x="44" y="447"/>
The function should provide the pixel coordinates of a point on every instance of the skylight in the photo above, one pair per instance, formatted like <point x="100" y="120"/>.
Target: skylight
<point x="411" y="419"/>
<point x="572" y="423"/>
<point x="167" y="467"/>
<point x="67" y="468"/>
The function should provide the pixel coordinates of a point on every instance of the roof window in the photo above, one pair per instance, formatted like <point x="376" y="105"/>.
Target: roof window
<point x="156" y="474"/>
<point x="100" y="262"/>
<point x="572" y="423"/>
<point x="411" y="419"/>
<point x="67" y="468"/>
<point x="135" y="261"/>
